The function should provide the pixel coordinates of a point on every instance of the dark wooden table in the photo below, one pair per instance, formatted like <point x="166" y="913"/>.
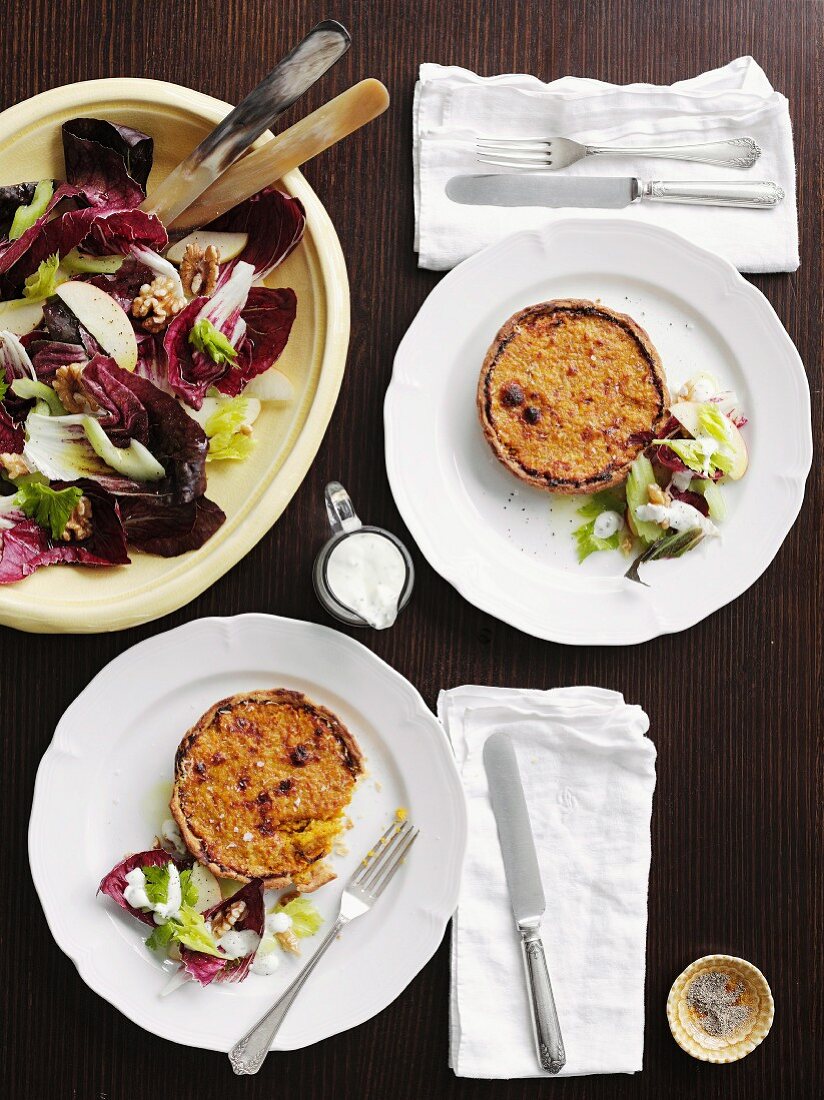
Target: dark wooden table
<point x="735" y="703"/>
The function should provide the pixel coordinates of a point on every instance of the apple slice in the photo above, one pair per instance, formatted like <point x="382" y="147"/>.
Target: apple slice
<point x="207" y="886"/>
<point x="20" y="316"/>
<point x="686" y="413"/>
<point x="105" y="319"/>
<point x="229" y="245"/>
<point x="272" y="385"/>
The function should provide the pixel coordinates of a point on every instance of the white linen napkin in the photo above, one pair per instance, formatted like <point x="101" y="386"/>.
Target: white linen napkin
<point x="453" y="106"/>
<point x="589" y="774"/>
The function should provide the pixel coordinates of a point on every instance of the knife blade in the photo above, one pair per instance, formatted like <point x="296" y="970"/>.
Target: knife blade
<point x="523" y="877"/>
<point x="526" y="892"/>
<point x="534" y="189"/>
<point x="325" y="44"/>
<point x="606" y="192"/>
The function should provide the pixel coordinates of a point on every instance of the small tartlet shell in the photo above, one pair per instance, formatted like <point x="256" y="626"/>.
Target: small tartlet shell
<point x="753" y="977"/>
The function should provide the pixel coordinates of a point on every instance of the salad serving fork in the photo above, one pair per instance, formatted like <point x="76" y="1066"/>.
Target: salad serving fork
<point x="373" y="874"/>
<point x="553" y="153"/>
<point x="325" y="44"/>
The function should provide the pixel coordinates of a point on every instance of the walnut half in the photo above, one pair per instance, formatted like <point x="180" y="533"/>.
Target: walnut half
<point x="157" y="303"/>
<point x="79" y="525"/>
<point x="68" y="385"/>
<point x="199" y="269"/>
<point x="14" y="465"/>
<point x="224" y="922"/>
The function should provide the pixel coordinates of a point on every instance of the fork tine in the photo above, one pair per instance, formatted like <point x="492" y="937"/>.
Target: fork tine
<point x="513" y="141"/>
<point x="514" y="150"/>
<point x="505" y="163"/>
<point x="524" y="158"/>
<point x="381" y="883"/>
<point x="386" y="855"/>
<point x="372" y="855"/>
<point x="380" y="854"/>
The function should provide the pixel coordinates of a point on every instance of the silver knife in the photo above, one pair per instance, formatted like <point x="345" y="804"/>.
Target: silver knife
<point x="608" y="192"/>
<point x="526" y="893"/>
<point x="325" y="44"/>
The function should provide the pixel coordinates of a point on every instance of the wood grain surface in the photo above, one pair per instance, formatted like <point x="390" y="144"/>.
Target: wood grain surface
<point x="735" y="703"/>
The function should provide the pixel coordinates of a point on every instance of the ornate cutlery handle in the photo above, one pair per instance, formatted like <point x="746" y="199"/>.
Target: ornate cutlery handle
<point x="248" y="1054"/>
<point x="547" y="1029"/>
<point x="758" y="195"/>
<point x="740" y="152"/>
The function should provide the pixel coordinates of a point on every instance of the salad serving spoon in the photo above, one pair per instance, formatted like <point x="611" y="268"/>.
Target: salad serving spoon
<point x="311" y="135"/>
<point x="307" y="62"/>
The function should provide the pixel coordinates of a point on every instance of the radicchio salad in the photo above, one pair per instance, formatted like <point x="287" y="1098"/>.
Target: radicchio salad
<point x="673" y="497"/>
<point x="206" y="935"/>
<point x="127" y="365"/>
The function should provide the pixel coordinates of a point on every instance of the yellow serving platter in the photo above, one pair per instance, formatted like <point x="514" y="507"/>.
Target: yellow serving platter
<point x="253" y="493"/>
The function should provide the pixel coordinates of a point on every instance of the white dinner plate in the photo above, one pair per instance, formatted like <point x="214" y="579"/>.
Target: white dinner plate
<point x="101" y="788"/>
<point x="506" y="546"/>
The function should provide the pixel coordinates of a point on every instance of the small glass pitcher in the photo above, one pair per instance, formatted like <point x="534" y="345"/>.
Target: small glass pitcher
<point x="345" y="523"/>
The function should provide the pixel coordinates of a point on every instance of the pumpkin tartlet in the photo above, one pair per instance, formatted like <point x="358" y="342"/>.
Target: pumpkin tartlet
<point x="261" y="784"/>
<point x="570" y="393"/>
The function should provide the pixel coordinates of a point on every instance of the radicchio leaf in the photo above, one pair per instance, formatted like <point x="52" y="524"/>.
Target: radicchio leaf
<point x="26" y="546"/>
<point x="134" y="408"/>
<point x="99" y="228"/>
<point x="157" y="526"/>
<point x="151" y="361"/>
<point x="126" y="282"/>
<point x="61" y="323"/>
<point x="110" y="230"/>
<point x="12" y="436"/>
<point x="210" y="968"/>
<point x="274" y="222"/>
<point x="109" y="164"/>
<point x="63" y="341"/>
<point x="189" y="373"/>
<point x="114" y="884"/>
<point x="256" y="321"/>
<point x="269" y="316"/>
<point x="48" y="355"/>
<point x="696" y="500"/>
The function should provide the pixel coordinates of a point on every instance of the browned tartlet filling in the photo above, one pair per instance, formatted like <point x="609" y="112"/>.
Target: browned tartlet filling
<point x="261" y="783"/>
<point x="570" y="393"/>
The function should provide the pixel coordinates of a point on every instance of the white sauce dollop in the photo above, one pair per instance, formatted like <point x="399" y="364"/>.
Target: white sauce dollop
<point x="367" y="572"/>
<point x="236" y="945"/>
<point x="607" y="524"/>
<point x="266" y="962"/>
<point x="278" y="922"/>
<point x="679" y="516"/>
<point x="135" y="894"/>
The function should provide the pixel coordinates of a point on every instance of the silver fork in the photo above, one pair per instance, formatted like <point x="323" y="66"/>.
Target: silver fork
<point x="550" y="154"/>
<point x="366" y="885"/>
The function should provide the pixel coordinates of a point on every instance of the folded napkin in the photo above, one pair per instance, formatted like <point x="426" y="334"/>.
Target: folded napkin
<point x="454" y="106"/>
<point x="588" y="773"/>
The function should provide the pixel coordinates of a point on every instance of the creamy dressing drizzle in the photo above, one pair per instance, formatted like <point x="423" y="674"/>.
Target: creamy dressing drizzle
<point x="679" y="516"/>
<point x="135" y="894"/>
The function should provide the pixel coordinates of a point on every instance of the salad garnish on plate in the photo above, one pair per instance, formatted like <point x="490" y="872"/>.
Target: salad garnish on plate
<point x="673" y="497"/>
<point x="212" y="938"/>
<point x="126" y="365"/>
